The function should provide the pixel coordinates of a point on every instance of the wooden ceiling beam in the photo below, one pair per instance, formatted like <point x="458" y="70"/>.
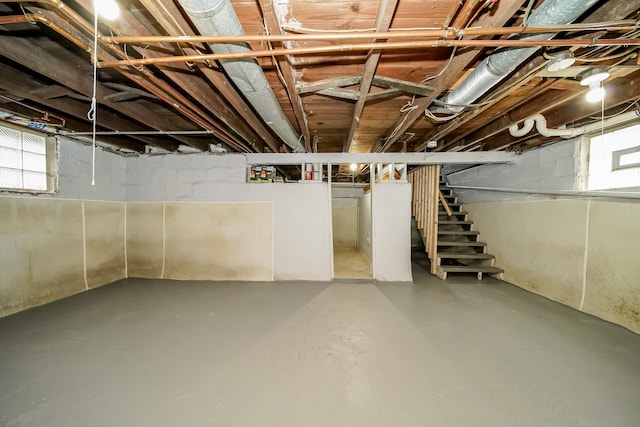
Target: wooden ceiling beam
<point x="19" y="50"/>
<point x="386" y="9"/>
<point x="402" y="85"/>
<point x="285" y="64"/>
<point x="348" y="94"/>
<point x="317" y="86"/>
<point x="170" y="18"/>
<point x="226" y="125"/>
<point x="124" y="143"/>
<point x="384" y="94"/>
<point x="501" y="13"/>
<point x="24" y="86"/>
<point x="51" y="91"/>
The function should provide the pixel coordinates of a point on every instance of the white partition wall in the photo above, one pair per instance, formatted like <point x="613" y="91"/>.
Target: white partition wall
<point x="391" y="220"/>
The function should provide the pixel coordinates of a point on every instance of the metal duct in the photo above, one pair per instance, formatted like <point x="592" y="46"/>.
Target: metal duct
<point x="502" y="63"/>
<point x="217" y="17"/>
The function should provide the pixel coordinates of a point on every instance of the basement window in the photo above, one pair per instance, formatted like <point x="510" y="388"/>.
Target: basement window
<point x="614" y="159"/>
<point x="24" y="161"/>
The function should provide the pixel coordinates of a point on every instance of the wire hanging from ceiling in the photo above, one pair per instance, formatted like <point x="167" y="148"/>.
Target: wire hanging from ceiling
<point x="92" y="114"/>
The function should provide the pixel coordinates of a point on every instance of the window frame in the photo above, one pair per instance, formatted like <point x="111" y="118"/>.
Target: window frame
<point x="51" y="155"/>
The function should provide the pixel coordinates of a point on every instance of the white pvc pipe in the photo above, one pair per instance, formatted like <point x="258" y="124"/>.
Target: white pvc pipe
<point x="541" y="126"/>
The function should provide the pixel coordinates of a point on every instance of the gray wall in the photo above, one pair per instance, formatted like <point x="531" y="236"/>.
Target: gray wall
<point x="74" y="174"/>
<point x="553" y="167"/>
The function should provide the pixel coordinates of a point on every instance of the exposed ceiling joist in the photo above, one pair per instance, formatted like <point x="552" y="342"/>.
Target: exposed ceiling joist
<point x="502" y="12"/>
<point x="403" y="86"/>
<point x="344" y="81"/>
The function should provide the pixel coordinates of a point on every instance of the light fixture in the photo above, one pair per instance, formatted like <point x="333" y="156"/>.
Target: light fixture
<point x="594" y="78"/>
<point x="108" y="9"/>
<point x="353" y="167"/>
<point x="594" y="75"/>
<point x="561" y="60"/>
<point x="432" y="144"/>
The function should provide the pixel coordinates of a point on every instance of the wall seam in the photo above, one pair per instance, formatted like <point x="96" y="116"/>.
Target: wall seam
<point x="84" y="248"/>
<point x="586" y="256"/>
<point x="126" y="261"/>
<point x="164" y="238"/>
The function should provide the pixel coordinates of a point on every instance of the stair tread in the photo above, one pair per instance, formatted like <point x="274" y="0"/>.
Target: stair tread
<point x="459" y="243"/>
<point x="470" y="269"/>
<point x="449" y="222"/>
<point x="453" y="212"/>
<point x="463" y="255"/>
<point x="459" y="233"/>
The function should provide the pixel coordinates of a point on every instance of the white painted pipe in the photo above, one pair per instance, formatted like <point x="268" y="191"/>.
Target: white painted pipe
<point x="566" y="193"/>
<point x="541" y="126"/>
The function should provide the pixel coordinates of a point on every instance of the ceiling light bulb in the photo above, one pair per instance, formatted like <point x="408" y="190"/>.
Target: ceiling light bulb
<point x="353" y="167"/>
<point x="108" y="9"/>
<point x="596" y="93"/>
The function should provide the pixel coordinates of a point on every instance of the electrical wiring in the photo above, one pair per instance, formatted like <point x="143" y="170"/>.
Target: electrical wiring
<point x="627" y="108"/>
<point x="441" y="72"/>
<point x="629" y="53"/>
<point x="435" y="118"/>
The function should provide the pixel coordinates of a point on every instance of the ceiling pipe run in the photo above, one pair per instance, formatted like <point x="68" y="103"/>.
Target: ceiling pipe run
<point x="540" y="123"/>
<point x="502" y="63"/>
<point x="214" y="17"/>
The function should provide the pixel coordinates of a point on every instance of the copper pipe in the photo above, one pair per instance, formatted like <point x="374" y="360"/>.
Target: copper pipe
<point x="189" y="109"/>
<point x="448" y="33"/>
<point x="374" y="46"/>
<point x="32" y="18"/>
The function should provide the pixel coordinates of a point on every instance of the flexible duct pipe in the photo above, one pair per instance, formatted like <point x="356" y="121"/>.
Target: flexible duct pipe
<point x="541" y="126"/>
<point x="217" y="17"/>
<point x="500" y="64"/>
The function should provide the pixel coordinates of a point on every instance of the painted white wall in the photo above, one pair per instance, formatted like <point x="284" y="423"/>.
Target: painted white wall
<point x="582" y="253"/>
<point x="74" y="174"/>
<point x="365" y="239"/>
<point x="302" y="211"/>
<point x="391" y="220"/>
<point x="344" y="207"/>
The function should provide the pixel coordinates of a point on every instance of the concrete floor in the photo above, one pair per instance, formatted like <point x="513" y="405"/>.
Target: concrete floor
<point x="349" y="263"/>
<point x="460" y="353"/>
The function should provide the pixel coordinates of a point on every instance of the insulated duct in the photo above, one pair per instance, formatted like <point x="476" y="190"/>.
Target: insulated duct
<point x="541" y="126"/>
<point x="217" y="17"/>
<point x="502" y="63"/>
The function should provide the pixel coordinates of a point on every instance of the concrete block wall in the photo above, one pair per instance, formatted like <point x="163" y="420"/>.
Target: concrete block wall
<point x="180" y="176"/>
<point x="552" y="167"/>
<point x="74" y="174"/>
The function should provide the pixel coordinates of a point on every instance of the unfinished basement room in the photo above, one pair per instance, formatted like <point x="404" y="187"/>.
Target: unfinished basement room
<point x="288" y="213"/>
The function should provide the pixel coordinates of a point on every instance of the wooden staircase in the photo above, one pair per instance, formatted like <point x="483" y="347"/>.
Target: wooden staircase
<point x="458" y="247"/>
